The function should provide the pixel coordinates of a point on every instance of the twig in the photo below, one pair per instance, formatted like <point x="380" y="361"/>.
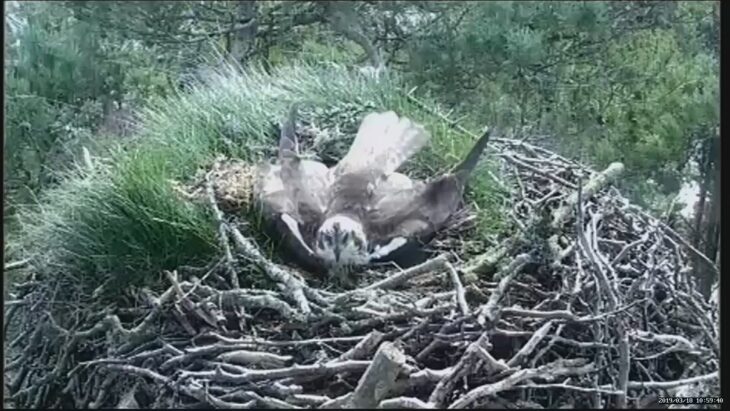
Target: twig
<point x="551" y="315"/>
<point x="403" y="402"/>
<point x="527" y="349"/>
<point x="379" y="377"/>
<point x="564" y="386"/>
<point x="466" y="363"/>
<point x="489" y="311"/>
<point x="538" y="171"/>
<point x="14" y="265"/>
<point x="403" y="276"/>
<point x="293" y="286"/>
<point x="666" y="385"/>
<point x="363" y="348"/>
<point x="222" y="236"/>
<point x="277" y="373"/>
<point x="624" y="365"/>
<point x="458" y="288"/>
<point x="589" y="189"/>
<point x="549" y="371"/>
<point x="261" y="359"/>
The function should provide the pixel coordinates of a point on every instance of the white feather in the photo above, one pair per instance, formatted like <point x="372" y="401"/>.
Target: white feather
<point x="393" y="245"/>
<point x="294" y="228"/>
<point x="313" y="182"/>
<point x="382" y="144"/>
<point x="350" y="254"/>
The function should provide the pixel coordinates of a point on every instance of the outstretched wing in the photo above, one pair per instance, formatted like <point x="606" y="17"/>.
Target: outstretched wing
<point x="293" y="195"/>
<point x="383" y="143"/>
<point x="413" y="210"/>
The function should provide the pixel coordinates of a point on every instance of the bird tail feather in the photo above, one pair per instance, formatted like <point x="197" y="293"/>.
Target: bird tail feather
<point x="288" y="144"/>
<point x="464" y="169"/>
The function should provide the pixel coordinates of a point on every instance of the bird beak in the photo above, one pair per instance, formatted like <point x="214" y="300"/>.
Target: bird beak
<point x="337" y="251"/>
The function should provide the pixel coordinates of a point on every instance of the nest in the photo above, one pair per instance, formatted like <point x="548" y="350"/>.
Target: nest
<point x="232" y="182"/>
<point x="586" y="303"/>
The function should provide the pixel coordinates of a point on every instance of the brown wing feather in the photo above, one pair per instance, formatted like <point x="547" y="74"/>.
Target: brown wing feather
<point x="293" y="195"/>
<point x="383" y="143"/>
<point x="278" y="199"/>
<point x="415" y="212"/>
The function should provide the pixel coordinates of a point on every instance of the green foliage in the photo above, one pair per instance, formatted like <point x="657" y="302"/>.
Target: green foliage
<point x="57" y="56"/>
<point x="608" y="81"/>
<point x="63" y="78"/>
<point x="124" y="220"/>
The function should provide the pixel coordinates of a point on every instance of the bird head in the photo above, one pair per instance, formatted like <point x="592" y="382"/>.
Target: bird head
<point x="341" y="241"/>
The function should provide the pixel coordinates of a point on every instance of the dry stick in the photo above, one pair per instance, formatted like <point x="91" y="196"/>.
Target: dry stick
<point x="338" y="402"/>
<point x="198" y="394"/>
<point x="309" y="400"/>
<point x="127" y="401"/>
<point x="549" y="371"/>
<point x="428" y="376"/>
<point x="17" y="264"/>
<point x="296" y="370"/>
<point x="271" y="402"/>
<point x="487" y="261"/>
<point x="112" y="322"/>
<point x="665" y="385"/>
<point x="624" y="350"/>
<point x="243" y="349"/>
<point x="436" y="342"/>
<point x="240" y="298"/>
<point x="662" y="338"/>
<point x="458" y="288"/>
<point x="565" y="315"/>
<point x="165" y="349"/>
<point x="570" y="387"/>
<point x="493" y="365"/>
<point x="538" y="171"/>
<point x="183" y="320"/>
<point x="527" y="349"/>
<point x="551" y="315"/>
<point x="293" y="287"/>
<point x="312" y="341"/>
<point x="222" y="236"/>
<point x="628" y="248"/>
<point x="257" y="358"/>
<point x="202" y="279"/>
<point x="624" y="366"/>
<point x="403" y="276"/>
<point x="379" y="378"/>
<point x="675" y="236"/>
<point x="601" y="276"/>
<point x="187" y="304"/>
<point x="490" y="310"/>
<point x="592" y="187"/>
<point x="362" y="348"/>
<point x="473" y="353"/>
<point x="403" y="402"/>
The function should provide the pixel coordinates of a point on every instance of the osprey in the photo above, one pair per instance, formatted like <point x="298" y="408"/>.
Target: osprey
<point x="361" y="210"/>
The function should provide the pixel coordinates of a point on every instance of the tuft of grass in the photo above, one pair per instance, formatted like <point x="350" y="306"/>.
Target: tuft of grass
<point x="123" y="221"/>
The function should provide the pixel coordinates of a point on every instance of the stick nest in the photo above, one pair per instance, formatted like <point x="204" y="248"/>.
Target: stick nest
<point x="586" y="303"/>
